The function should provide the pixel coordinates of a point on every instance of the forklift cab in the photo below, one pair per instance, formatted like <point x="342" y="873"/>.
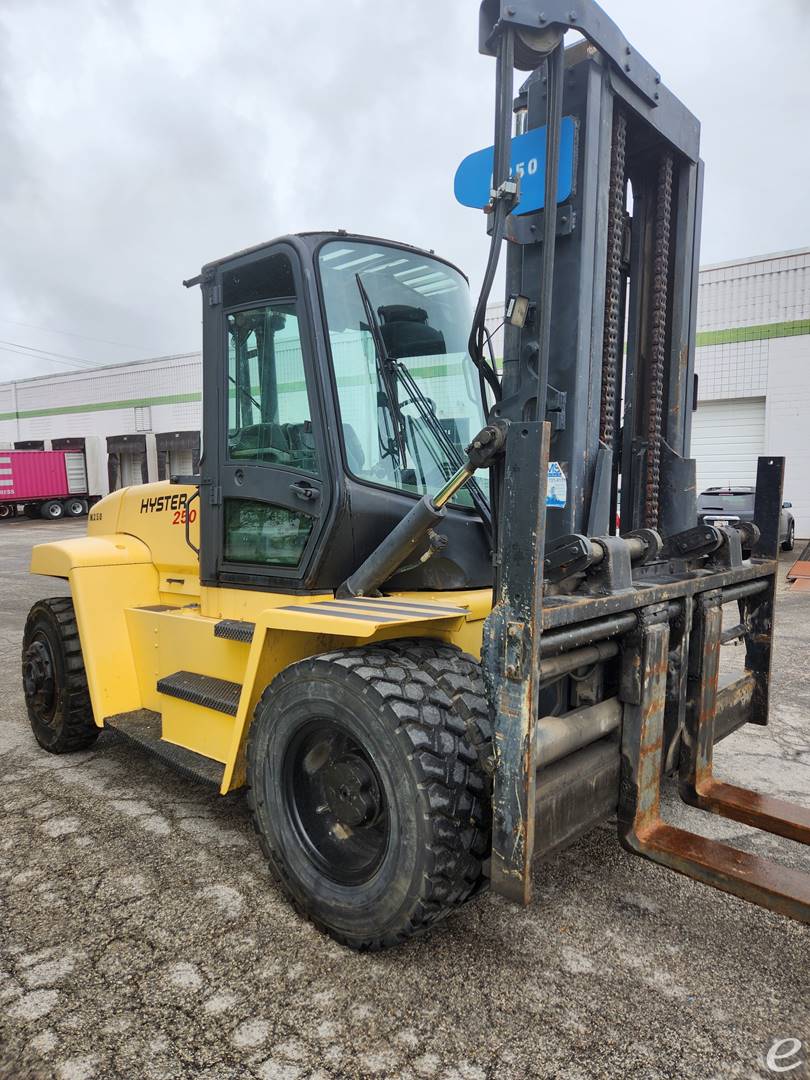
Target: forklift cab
<point x="337" y="391"/>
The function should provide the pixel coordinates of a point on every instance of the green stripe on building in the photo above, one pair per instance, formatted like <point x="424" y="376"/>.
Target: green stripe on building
<point x="101" y="406"/>
<point x="432" y="371"/>
<point x="732" y="336"/>
<point x="753" y="333"/>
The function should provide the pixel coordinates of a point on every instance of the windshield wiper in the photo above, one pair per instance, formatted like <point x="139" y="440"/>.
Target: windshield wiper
<point x="385" y="369"/>
<point x="444" y="442"/>
<point x="390" y="372"/>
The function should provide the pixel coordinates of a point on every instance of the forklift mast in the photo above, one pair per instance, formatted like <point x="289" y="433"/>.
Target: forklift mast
<point x="617" y="353"/>
<point x="593" y="411"/>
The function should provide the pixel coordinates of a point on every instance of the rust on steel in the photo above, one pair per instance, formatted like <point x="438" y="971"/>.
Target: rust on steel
<point x="752" y="808"/>
<point x="742" y="874"/>
<point x="513" y="633"/>
<point x="750" y="877"/>
<point x="799" y="574"/>
<point x="697" y="784"/>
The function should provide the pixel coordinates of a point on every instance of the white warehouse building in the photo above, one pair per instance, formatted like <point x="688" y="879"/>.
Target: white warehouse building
<point x="141" y="421"/>
<point x="753" y="365"/>
<point x="136" y="422"/>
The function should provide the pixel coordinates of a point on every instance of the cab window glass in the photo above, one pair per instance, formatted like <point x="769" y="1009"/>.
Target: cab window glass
<point x="269" y="419"/>
<point x="257" y="532"/>
<point x="409" y="397"/>
<point x="268" y="407"/>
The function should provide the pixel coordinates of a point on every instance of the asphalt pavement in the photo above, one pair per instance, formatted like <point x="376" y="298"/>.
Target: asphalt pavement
<point x="141" y="936"/>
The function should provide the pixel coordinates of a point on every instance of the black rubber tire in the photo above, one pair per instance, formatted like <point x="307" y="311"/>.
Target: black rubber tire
<point x="458" y="675"/>
<point x="65" y="723"/>
<point x="52" y="510"/>
<point x="791" y="538"/>
<point x="7" y="510"/>
<point x="32" y="510"/>
<point x="400" y="702"/>
<point x="74" y="507"/>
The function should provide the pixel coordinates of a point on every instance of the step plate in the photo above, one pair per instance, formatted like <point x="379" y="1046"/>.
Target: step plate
<point x="143" y="728"/>
<point x="360" y="616"/>
<point x="235" y="630"/>
<point x="205" y="690"/>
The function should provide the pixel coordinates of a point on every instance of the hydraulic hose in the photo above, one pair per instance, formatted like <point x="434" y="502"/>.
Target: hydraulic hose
<point x="504" y="77"/>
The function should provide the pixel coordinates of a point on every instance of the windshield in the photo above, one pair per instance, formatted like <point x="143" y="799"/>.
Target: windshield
<point x="409" y="398"/>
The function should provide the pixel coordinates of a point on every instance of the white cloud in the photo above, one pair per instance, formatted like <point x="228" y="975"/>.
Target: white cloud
<point x="142" y="139"/>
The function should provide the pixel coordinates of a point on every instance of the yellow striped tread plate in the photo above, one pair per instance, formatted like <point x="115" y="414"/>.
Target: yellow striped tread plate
<point x="364" y="613"/>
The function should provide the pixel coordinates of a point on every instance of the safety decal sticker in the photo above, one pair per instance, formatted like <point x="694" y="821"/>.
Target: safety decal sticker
<point x="556" y="486"/>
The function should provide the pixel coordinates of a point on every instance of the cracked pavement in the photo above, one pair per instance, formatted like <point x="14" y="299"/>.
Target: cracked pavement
<point x="141" y="936"/>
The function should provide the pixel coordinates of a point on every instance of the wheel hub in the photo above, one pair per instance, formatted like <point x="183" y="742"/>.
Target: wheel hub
<point x="38" y="677"/>
<point x="336" y="802"/>
<point x="350" y="791"/>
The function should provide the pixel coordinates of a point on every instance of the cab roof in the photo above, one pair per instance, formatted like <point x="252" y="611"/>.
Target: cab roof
<point x="313" y="240"/>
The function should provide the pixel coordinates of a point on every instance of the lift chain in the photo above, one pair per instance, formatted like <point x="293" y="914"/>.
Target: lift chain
<point x="658" y="338"/>
<point x="613" y="285"/>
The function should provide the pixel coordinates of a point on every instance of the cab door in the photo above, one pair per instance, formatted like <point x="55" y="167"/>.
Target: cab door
<point x="264" y="500"/>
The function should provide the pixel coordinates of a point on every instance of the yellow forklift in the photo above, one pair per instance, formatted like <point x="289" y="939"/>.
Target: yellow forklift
<point x="394" y="604"/>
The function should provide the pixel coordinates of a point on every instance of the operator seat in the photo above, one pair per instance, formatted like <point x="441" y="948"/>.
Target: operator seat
<point x="406" y="332"/>
<point x="266" y="442"/>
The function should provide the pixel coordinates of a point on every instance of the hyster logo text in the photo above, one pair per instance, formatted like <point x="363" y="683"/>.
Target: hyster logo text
<point x="164" y="502"/>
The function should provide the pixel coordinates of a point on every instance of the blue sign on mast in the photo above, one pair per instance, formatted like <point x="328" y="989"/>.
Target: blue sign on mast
<point x="473" y="182"/>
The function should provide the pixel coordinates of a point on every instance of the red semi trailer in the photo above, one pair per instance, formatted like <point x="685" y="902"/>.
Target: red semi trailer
<point x="44" y="483"/>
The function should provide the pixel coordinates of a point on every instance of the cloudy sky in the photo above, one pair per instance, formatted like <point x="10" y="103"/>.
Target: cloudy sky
<point x="141" y="138"/>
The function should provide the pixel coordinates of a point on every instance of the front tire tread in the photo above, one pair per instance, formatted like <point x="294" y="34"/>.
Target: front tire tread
<point x="413" y="683"/>
<point x="78" y="730"/>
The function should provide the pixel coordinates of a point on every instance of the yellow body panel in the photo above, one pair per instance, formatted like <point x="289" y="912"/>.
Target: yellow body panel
<point x="101" y="596"/>
<point x="58" y="558"/>
<point x="205" y="731"/>
<point x="142" y="615"/>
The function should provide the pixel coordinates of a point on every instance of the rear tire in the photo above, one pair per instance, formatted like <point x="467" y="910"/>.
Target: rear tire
<point x="54" y="679"/>
<point x="74" y="507"/>
<point x="52" y="510"/>
<point x="791" y="538"/>
<point x="366" y="790"/>
<point x="7" y="510"/>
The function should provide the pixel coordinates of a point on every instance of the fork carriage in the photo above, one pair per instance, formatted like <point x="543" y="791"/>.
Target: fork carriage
<point x="649" y="701"/>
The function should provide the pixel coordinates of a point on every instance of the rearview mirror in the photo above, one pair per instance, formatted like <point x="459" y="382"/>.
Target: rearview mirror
<point x="787" y="505"/>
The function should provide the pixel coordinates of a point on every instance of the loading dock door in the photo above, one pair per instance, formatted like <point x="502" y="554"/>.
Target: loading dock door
<point x="126" y="460"/>
<point x="727" y="439"/>
<point x="178" y="453"/>
<point x="181" y="462"/>
<point x="131" y="468"/>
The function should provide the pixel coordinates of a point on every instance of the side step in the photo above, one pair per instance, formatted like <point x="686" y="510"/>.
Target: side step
<point x="641" y="829"/>
<point x="205" y="690"/>
<point x="143" y="728"/>
<point x="235" y="630"/>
